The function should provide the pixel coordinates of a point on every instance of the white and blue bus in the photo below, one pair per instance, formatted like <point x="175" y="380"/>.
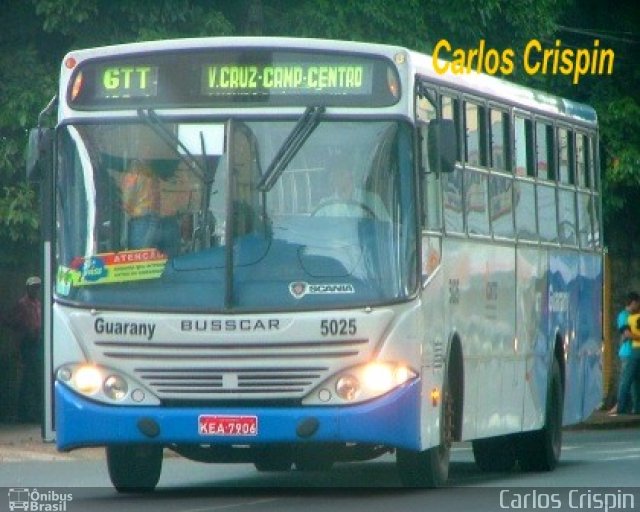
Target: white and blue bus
<point x="350" y="255"/>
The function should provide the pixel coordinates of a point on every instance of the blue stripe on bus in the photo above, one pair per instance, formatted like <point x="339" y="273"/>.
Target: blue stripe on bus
<point x="392" y="420"/>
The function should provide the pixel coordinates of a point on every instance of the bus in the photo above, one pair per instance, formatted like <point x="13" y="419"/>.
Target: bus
<point x="297" y="252"/>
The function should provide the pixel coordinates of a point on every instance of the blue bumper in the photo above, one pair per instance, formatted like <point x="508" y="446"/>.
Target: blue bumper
<point x="392" y="420"/>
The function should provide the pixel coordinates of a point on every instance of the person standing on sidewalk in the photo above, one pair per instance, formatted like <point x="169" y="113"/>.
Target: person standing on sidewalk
<point x="25" y="318"/>
<point x="629" y="354"/>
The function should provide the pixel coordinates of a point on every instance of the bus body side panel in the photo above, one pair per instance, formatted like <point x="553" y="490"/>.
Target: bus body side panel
<point x="480" y="310"/>
<point x="532" y="332"/>
<point x="562" y="313"/>
<point x="434" y="347"/>
<point x="590" y="330"/>
<point x="559" y="297"/>
<point x="574" y="305"/>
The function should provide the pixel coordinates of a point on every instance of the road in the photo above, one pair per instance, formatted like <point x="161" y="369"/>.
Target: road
<point x="591" y="462"/>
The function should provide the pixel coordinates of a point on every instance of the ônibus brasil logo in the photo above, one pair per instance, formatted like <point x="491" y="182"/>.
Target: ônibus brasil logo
<point x="299" y="289"/>
<point x="33" y="500"/>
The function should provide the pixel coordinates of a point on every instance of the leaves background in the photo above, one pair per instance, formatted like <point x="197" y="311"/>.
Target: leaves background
<point x="35" y="35"/>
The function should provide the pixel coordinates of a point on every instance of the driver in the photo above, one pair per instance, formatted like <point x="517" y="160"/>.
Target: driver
<point x="349" y="200"/>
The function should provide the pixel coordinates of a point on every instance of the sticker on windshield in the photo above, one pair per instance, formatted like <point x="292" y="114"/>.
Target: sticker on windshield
<point x="299" y="289"/>
<point x="113" y="267"/>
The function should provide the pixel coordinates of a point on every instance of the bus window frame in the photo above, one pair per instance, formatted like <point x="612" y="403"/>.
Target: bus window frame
<point x="507" y="154"/>
<point x="532" y="121"/>
<point x="480" y="117"/>
<point x="424" y="171"/>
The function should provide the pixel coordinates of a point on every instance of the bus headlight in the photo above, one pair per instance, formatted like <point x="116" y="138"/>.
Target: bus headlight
<point x="360" y="383"/>
<point x="87" y="380"/>
<point x="105" y="385"/>
<point x="348" y="388"/>
<point x="115" y="387"/>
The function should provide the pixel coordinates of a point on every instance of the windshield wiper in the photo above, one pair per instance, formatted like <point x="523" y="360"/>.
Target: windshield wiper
<point x="290" y="147"/>
<point x="151" y="119"/>
<point x="200" y="169"/>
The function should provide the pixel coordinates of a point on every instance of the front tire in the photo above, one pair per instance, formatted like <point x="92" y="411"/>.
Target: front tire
<point x="540" y="450"/>
<point x="430" y="468"/>
<point x="134" y="468"/>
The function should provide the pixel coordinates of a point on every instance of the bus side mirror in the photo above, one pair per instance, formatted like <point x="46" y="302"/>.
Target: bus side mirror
<point x="442" y="145"/>
<point x="39" y="153"/>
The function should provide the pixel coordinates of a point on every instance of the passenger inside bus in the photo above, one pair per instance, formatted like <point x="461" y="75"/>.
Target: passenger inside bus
<point x="156" y="201"/>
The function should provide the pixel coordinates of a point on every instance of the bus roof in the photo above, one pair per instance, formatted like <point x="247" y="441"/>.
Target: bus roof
<point x="503" y="90"/>
<point x="473" y="83"/>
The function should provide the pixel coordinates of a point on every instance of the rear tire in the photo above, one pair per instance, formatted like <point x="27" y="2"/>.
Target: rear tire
<point x="540" y="450"/>
<point x="495" y="453"/>
<point x="134" y="468"/>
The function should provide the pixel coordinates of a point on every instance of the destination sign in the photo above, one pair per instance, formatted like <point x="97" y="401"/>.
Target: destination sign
<point x="233" y="77"/>
<point x="308" y="78"/>
<point x="128" y="81"/>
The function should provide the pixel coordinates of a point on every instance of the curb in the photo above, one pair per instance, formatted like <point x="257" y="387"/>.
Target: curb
<point x="600" y="420"/>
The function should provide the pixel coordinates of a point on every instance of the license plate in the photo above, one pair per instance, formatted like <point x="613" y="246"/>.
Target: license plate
<point x="216" y="425"/>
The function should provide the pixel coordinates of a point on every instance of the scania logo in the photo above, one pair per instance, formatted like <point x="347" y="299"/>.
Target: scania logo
<point x="299" y="289"/>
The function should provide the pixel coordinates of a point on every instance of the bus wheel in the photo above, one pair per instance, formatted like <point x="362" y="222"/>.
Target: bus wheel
<point x="429" y="468"/>
<point x="495" y="453"/>
<point x="540" y="450"/>
<point x="134" y="468"/>
<point x="273" y="458"/>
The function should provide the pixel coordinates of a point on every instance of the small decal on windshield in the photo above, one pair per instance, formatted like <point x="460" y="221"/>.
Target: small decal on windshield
<point x="299" y="289"/>
<point x="113" y="267"/>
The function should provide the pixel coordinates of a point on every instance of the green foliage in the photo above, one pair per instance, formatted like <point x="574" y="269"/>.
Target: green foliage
<point x="623" y="149"/>
<point x="101" y="22"/>
<point x="35" y="35"/>
<point x="18" y="215"/>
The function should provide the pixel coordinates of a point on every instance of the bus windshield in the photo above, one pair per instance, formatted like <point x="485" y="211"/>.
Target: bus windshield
<point x="175" y="216"/>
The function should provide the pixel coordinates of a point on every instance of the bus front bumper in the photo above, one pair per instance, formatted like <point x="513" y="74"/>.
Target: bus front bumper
<point x="392" y="420"/>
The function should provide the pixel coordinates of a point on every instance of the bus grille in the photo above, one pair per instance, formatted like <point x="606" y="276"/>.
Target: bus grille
<point x="232" y="370"/>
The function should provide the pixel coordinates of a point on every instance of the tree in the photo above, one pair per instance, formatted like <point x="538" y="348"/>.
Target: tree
<point x="27" y="80"/>
<point x="35" y="34"/>
<point x="616" y="98"/>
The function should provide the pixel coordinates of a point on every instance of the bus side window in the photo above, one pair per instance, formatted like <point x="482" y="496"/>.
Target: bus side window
<point x="582" y="161"/>
<point x="500" y="142"/>
<point x="545" y="158"/>
<point x="475" y="130"/>
<point x="524" y="147"/>
<point x="567" y="214"/>
<point x="431" y="183"/>
<point x="566" y="156"/>
<point x="451" y="110"/>
<point x="452" y="181"/>
<point x="431" y="186"/>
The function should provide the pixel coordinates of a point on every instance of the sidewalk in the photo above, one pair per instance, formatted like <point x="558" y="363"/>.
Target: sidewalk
<point x="23" y="442"/>
<point x="600" y="420"/>
<point x="12" y="434"/>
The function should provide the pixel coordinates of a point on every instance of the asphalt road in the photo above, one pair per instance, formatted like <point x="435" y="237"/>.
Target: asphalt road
<point x="597" y="467"/>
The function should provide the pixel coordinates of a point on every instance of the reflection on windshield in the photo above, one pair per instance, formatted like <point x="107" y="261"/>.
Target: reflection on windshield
<point x="137" y="227"/>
